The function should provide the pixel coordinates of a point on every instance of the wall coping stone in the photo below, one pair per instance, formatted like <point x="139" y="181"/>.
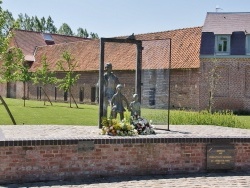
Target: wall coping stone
<point x="41" y="135"/>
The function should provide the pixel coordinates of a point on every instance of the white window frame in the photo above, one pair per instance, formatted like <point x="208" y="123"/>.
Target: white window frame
<point x="247" y="44"/>
<point x="222" y="44"/>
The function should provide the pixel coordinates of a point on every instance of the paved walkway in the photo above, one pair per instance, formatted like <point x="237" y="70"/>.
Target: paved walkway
<point x="212" y="180"/>
<point x="22" y="132"/>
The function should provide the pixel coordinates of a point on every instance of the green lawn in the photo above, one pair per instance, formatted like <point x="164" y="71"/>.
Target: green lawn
<point x="245" y="119"/>
<point x="36" y="113"/>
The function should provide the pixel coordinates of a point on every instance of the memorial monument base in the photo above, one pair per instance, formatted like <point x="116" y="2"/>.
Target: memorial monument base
<point x="31" y="160"/>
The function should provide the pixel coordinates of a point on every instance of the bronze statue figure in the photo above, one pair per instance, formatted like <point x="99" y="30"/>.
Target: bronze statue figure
<point x="117" y="103"/>
<point x="135" y="106"/>
<point x="110" y="83"/>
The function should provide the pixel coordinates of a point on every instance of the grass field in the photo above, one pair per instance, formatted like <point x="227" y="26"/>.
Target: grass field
<point x="36" y="113"/>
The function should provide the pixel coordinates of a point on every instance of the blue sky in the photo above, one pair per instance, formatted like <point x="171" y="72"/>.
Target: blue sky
<point x="110" y="18"/>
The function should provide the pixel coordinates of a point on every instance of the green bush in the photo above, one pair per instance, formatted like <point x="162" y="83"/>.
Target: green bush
<point x="180" y="117"/>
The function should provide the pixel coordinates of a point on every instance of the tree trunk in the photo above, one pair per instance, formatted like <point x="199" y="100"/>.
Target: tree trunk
<point x="24" y="91"/>
<point x="8" y="110"/>
<point x="47" y="97"/>
<point x="74" y="100"/>
<point x="70" y="97"/>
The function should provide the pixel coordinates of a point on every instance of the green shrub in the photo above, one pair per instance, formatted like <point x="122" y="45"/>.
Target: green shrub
<point x="180" y="117"/>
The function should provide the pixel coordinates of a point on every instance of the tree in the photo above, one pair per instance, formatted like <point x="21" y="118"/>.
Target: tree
<point x="50" y="27"/>
<point x="25" y="22"/>
<point x="65" y="30"/>
<point x="213" y="77"/>
<point x="13" y="68"/>
<point x="4" y="33"/>
<point x="24" y="76"/>
<point x="5" y="54"/>
<point x="82" y="33"/>
<point x="68" y="65"/>
<point x="43" y="24"/>
<point x="44" y="76"/>
<point x="8" y="56"/>
<point x="37" y="24"/>
<point x="10" y="60"/>
<point x="9" y="22"/>
<point x="94" y="35"/>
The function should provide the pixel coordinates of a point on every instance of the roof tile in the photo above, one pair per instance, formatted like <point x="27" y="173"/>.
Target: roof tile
<point x="185" y="52"/>
<point x="227" y="22"/>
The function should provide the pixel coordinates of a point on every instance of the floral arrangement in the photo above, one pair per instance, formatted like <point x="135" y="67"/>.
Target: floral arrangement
<point x="137" y="126"/>
<point x="142" y="126"/>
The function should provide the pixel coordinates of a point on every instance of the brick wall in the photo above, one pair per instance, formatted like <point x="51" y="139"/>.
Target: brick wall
<point x="233" y="84"/>
<point x="3" y="91"/>
<point x="184" y="88"/>
<point x="242" y="161"/>
<point x="44" y="160"/>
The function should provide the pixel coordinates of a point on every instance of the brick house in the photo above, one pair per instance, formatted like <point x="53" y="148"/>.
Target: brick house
<point x="221" y="47"/>
<point x="184" y="66"/>
<point x="28" y="41"/>
<point x="225" y="50"/>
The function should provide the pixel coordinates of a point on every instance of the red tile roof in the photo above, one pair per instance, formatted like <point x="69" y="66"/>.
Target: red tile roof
<point x="185" y="46"/>
<point x="227" y="22"/>
<point x="29" y="40"/>
<point x="185" y="52"/>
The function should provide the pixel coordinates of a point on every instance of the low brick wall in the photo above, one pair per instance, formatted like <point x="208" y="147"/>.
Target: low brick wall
<point x="45" y="160"/>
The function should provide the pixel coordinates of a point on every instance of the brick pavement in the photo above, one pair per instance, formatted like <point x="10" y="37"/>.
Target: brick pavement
<point x="21" y="132"/>
<point x="209" y="180"/>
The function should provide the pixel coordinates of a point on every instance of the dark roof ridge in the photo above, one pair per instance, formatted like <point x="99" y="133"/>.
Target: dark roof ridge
<point x="68" y="43"/>
<point x="171" y="30"/>
<point x="40" y="32"/>
<point x="228" y="12"/>
<point x="163" y="31"/>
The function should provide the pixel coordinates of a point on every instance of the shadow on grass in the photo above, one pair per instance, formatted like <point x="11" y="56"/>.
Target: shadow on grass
<point x="35" y="106"/>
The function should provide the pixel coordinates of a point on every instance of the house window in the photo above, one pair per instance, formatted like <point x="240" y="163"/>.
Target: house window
<point x="48" y="39"/>
<point x="222" y="45"/>
<point x="81" y="94"/>
<point x="248" y="44"/>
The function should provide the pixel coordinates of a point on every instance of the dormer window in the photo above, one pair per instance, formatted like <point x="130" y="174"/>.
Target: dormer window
<point x="247" y="44"/>
<point x="222" y="44"/>
<point x="48" y="39"/>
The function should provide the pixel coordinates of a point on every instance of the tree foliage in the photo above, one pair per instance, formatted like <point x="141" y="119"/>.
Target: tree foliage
<point x="94" y="35"/>
<point x="24" y="76"/>
<point x="65" y="30"/>
<point x="50" y="27"/>
<point x="82" y="33"/>
<point x="44" y="76"/>
<point x="46" y="25"/>
<point x="11" y="58"/>
<point x="68" y="65"/>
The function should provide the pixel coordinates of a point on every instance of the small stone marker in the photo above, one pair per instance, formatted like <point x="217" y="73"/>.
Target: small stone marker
<point x="220" y="157"/>
<point x="86" y="146"/>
